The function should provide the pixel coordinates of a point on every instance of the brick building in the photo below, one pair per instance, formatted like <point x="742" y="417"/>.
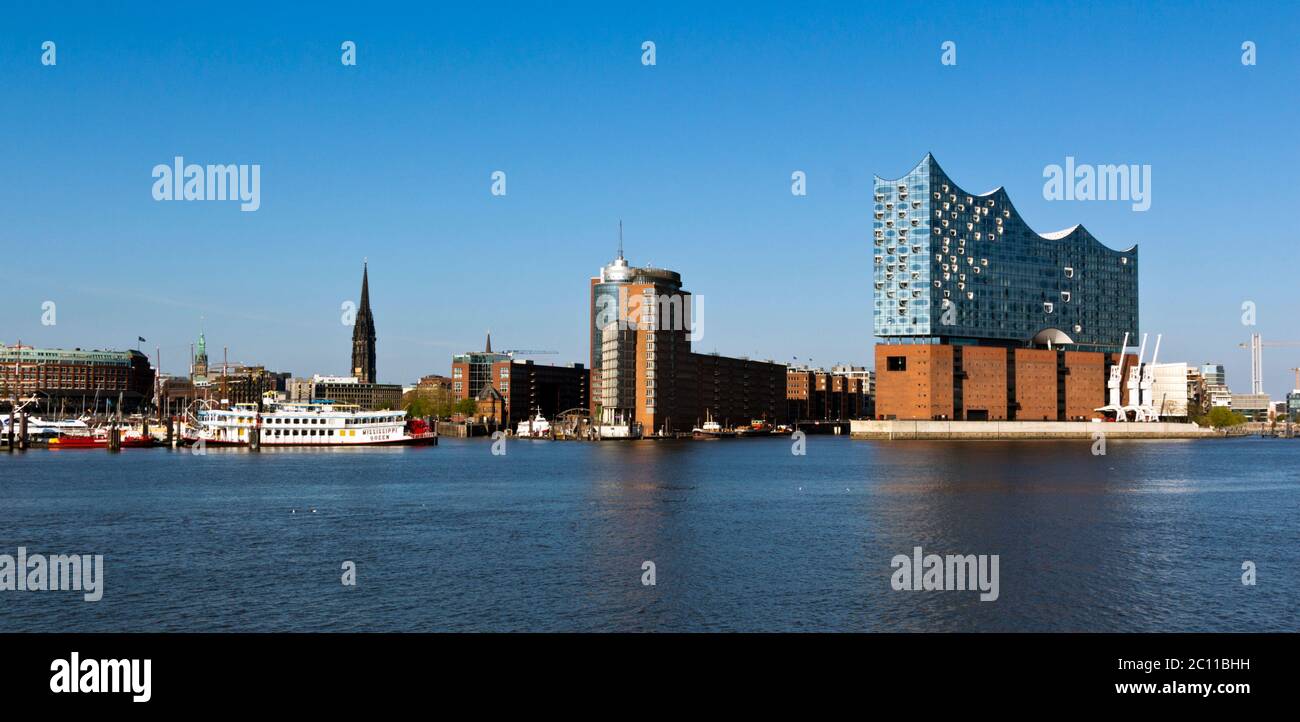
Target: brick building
<point x="843" y="393"/>
<point x="643" y="370"/>
<point x="77" y="380"/>
<point x="525" y="387"/>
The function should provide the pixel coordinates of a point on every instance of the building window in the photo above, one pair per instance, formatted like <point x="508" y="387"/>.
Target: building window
<point x="896" y="363"/>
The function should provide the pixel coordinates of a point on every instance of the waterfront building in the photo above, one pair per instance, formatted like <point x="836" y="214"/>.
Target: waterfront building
<point x="234" y="383"/>
<point x="77" y="381"/>
<point x="982" y="318"/>
<point x="520" y="387"/>
<point x="363" y="335"/>
<point x="1198" y="401"/>
<point x="840" y="394"/>
<point x="471" y="371"/>
<point x="1255" y="407"/>
<point x="1293" y="405"/>
<point x="1214" y="374"/>
<point x="643" y="370"/>
<point x="1217" y="392"/>
<point x="346" y="390"/>
<point x="1170" y="390"/>
<point x="433" y="382"/>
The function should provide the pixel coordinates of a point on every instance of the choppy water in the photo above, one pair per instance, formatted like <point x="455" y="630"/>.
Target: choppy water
<point x="744" y="536"/>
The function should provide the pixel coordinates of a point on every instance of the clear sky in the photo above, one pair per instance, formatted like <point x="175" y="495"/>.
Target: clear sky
<point x="391" y="160"/>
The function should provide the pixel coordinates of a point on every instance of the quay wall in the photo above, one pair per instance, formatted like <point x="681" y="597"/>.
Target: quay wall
<point x="1004" y="430"/>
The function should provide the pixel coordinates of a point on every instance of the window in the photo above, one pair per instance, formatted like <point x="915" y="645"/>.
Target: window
<point x="896" y="363"/>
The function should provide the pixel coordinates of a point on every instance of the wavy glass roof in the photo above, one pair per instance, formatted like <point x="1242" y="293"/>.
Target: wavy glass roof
<point x="951" y="265"/>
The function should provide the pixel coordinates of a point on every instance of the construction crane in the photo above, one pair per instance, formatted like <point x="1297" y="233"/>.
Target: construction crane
<point x="528" y="352"/>
<point x="1256" y="346"/>
<point x="1297" y="379"/>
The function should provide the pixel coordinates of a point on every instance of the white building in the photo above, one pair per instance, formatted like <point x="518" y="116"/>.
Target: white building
<point x="1169" y="390"/>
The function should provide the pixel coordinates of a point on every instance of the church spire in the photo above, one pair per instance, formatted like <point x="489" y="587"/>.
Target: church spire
<point x="365" y="286"/>
<point x="363" y="334"/>
<point x="488" y="348"/>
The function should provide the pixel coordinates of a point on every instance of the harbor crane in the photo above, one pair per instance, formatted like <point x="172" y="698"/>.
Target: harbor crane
<point x="1256" y="346"/>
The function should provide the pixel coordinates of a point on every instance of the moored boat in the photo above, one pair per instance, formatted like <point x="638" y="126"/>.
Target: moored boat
<point x="711" y="429"/>
<point x="536" y="427"/>
<point x="316" y="423"/>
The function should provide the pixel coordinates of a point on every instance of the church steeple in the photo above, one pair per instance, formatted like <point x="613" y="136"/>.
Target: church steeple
<point x="488" y="348"/>
<point x="363" y="335"/>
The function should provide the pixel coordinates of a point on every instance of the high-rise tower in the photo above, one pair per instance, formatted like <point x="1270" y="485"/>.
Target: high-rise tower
<point x="363" y="335"/>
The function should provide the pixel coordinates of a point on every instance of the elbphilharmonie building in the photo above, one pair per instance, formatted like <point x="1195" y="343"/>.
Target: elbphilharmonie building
<point x="952" y="266"/>
<point x="980" y="316"/>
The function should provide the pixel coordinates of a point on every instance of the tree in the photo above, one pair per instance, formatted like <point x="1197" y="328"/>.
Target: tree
<point x="1222" y="417"/>
<point x="467" y="407"/>
<point x="434" y="401"/>
<point x="418" y="405"/>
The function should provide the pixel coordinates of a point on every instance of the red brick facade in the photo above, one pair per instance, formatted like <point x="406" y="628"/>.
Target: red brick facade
<point x="939" y="381"/>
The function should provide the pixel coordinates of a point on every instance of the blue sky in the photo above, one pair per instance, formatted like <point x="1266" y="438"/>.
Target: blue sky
<point x="391" y="160"/>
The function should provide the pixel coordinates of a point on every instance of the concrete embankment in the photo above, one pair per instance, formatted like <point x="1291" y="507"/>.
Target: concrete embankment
<point x="1006" y="430"/>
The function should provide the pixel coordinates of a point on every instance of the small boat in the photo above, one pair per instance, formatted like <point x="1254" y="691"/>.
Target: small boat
<point x="78" y="441"/>
<point x="39" y="429"/>
<point x="98" y="439"/>
<point x="535" y="428"/>
<point x="711" y="429"/>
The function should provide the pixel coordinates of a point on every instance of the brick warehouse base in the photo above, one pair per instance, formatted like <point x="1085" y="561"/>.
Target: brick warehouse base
<point x="923" y="382"/>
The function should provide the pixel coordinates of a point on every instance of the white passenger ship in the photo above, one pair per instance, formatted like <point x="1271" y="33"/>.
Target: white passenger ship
<point x="316" y="423"/>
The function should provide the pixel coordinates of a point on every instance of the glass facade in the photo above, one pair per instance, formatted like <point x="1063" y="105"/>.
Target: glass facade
<point x="950" y="266"/>
<point x="480" y="368"/>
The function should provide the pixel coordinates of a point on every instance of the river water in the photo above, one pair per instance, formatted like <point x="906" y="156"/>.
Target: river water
<point x="742" y="535"/>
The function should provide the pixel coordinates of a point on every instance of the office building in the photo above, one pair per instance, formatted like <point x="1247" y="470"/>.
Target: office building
<point x="1255" y="407"/>
<point x="644" y="371"/>
<point x="76" y="381"/>
<point x="520" y="388"/>
<point x="471" y="371"/>
<point x="346" y="390"/>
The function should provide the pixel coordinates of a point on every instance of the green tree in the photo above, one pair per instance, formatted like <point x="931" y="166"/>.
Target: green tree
<point x="468" y="407"/>
<point x="418" y="405"/>
<point x="1222" y="417"/>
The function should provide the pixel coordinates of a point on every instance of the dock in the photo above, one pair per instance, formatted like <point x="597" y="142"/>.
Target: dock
<point x="1014" y="430"/>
